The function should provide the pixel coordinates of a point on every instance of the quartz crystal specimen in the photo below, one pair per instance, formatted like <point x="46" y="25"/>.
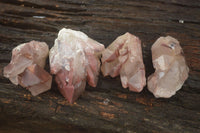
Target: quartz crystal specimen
<point x="124" y="57"/>
<point x="170" y="67"/>
<point x="26" y="67"/>
<point x="74" y="59"/>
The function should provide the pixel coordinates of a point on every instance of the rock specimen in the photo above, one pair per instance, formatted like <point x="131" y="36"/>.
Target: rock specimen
<point x="124" y="57"/>
<point x="26" y="67"/>
<point x="74" y="58"/>
<point x="170" y="67"/>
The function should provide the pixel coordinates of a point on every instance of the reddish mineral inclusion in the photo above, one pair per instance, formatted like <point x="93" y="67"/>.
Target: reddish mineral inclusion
<point x="124" y="57"/>
<point x="74" y="59"/>
<point x="35" y="79"/>
<point x="26" y="67"/>
<point x="170" y="66"/>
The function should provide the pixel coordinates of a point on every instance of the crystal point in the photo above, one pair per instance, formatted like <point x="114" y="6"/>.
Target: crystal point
<point x="26" y="67"/>
<point x="74" y="59"/>
<point x="124" y="57"/>
<point x="171" y="69"/>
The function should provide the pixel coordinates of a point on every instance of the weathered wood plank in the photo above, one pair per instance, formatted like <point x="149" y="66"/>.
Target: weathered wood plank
<point x="109" y="107"/>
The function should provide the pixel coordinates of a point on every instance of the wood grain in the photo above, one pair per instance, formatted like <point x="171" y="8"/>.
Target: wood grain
<point x="108" y="107"/>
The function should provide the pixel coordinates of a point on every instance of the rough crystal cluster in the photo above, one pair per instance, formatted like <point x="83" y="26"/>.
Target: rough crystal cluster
<point x="170" y="67"/>
<point x="74" y="58"/>
<point x="124" y="57"/>
<point x="26" y="67"/>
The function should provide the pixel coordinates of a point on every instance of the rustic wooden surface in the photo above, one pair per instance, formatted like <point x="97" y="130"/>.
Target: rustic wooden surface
<point x="109" y="107"/>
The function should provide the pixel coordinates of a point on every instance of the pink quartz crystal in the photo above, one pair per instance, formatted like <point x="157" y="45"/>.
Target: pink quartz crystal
<point x="74" y="59"/>
<point x="171" y="70"/>
<point x="26" y="67"/>
<point x="124" y="57"/>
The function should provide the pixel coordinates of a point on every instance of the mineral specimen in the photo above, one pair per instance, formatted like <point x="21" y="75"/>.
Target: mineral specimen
<point x="170" y="67"/>
<point x="124" y="57"/>
<point x="74" y="58"/>
<point x="26" y="67"/>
